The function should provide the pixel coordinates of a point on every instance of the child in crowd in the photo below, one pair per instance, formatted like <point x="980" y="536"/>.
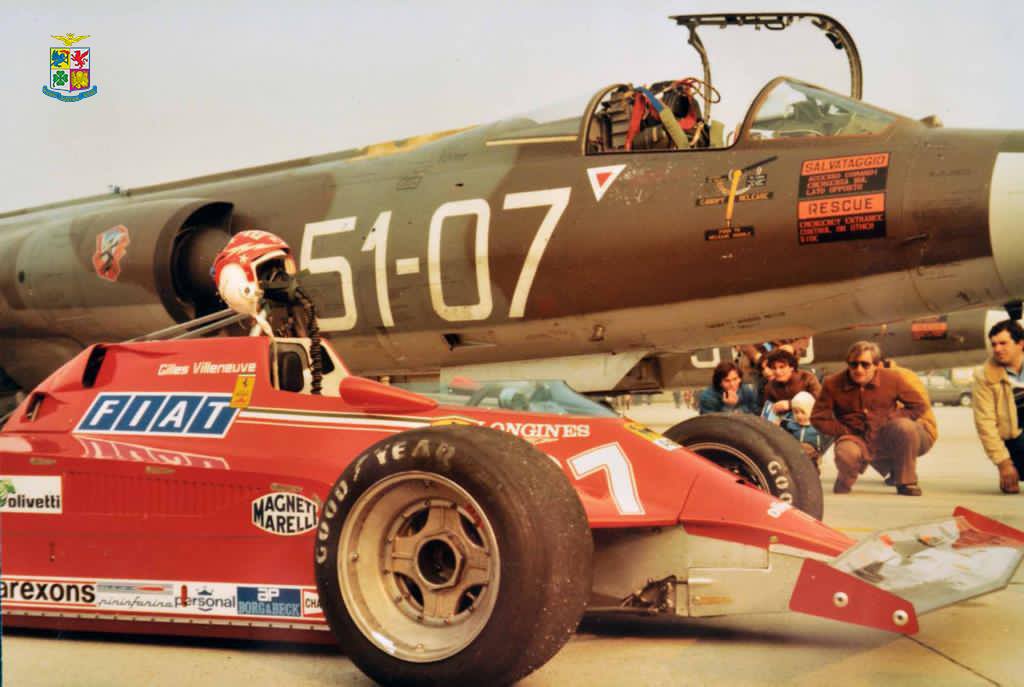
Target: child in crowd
<point x="798" y="423"/>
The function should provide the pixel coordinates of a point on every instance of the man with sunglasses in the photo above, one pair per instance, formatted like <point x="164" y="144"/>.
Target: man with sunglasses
<point x="876" y="417"/>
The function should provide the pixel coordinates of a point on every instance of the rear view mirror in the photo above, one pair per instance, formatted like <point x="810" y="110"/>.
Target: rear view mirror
<point x="289" y="371"/>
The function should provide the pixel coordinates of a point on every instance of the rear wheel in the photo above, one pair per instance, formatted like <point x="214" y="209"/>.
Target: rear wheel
<point x="452" y="555"/>
<point x="761" y="453"/>
<point x="965" y="400"/>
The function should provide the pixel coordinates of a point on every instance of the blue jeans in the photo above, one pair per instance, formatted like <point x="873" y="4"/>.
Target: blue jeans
<point x="1016" y="449"/>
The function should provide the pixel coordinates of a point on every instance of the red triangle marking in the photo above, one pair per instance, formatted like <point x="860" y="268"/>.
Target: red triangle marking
<point x="602" y="178"/>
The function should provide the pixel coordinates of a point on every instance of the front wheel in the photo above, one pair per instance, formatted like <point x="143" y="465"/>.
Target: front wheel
<point x="452" y="555"/>
<point x="761" y="453"/>
<point x="965" y="400"/>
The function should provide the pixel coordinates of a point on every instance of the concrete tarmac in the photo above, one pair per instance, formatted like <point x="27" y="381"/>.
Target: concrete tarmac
<point x="974" y="643"/>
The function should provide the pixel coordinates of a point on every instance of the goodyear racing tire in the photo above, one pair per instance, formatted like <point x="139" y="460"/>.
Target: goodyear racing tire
<point x="763" y="454"/>
<point x="452" y="555"/>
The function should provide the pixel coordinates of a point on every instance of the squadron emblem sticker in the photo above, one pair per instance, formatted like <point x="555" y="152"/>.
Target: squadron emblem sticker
<point x="111" y="245"/>
<point x="71" y="77"/>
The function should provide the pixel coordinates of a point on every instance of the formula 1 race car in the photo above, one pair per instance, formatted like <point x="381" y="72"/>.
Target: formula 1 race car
<point x="252" y="487"/>
<point x="197" y="487"/>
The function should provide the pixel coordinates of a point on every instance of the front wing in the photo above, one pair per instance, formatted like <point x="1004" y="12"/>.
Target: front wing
<point x="888" y="579"/>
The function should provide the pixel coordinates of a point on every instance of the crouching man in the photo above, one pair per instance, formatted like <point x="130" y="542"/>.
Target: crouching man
<point x="875" y="415"/>
<point x="998" y="401"/>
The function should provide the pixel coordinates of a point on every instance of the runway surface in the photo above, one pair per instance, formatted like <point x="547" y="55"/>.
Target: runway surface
<point x="973" y="643"/>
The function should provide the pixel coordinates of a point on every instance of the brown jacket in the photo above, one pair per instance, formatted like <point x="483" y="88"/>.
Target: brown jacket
<point x="995" y="411"/>
<point x="846" y="408"/>
<point x="931" y="427"/>
<point x="802" y="380"/>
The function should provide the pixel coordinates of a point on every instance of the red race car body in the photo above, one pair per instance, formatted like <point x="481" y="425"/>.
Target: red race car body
<point x="179" y="487"/>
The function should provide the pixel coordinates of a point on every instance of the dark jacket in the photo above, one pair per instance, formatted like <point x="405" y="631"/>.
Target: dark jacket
<point x="806" y="434"/>
<point x="802" y="380"/>
<point x="845" y="408"/>
<point x="711" y="401"/>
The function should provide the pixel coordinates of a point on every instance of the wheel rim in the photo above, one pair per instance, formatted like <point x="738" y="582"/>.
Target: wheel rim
<point x="965" y="401"/>
<point x="733" y="460"/>
<point x="418" y="566"/>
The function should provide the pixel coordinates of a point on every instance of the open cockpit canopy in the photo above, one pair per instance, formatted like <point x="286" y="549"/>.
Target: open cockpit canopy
<point x="676" y="114"/>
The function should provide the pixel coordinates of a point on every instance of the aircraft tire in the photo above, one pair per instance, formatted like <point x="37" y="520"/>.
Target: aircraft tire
<point x="454" y="555"/>
<point x="760" y="452"/>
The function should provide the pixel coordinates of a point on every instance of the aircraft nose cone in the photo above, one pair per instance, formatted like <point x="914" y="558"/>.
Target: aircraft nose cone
<point x="1005" y="217"/>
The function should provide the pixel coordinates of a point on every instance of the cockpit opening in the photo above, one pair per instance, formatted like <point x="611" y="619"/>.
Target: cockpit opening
<point x="667" y="116"/>
<point x="662" y="116"/>
<point x="792" y="109"/>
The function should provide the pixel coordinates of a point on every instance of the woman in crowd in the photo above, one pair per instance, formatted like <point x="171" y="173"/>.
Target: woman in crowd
<point x="728" y="393"/>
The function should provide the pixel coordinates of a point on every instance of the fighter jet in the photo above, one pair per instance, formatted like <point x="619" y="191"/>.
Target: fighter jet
<point x="576" y="247"/>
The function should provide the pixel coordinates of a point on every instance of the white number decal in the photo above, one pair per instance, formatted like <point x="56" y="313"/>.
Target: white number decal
<point x="377" y="241"/>
<point x="617" y="470"/>
<point x="480" y="310"/>
<point x="335" y="263"/>
<point x="696" y="361"/>
<point x="808" y="357"/>
<point x="557" y="200"/>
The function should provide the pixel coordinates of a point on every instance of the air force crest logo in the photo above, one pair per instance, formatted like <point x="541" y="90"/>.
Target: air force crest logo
<point x="111" y="245"/>
<point x="70" y="71"/>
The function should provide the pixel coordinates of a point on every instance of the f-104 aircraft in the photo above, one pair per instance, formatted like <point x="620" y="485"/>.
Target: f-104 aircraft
<point x="637" y="228"/>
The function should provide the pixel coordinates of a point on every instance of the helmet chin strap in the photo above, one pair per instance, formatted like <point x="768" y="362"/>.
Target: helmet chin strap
<point x="262" y="326"/>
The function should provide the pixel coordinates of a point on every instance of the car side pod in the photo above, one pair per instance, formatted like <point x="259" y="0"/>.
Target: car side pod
<point x="887" y="580"/>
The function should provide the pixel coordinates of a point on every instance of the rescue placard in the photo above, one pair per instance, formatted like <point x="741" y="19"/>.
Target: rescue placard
<point x="836" y="175"/>
<point x="837" y="207"/>
<point x="833" y="203"/>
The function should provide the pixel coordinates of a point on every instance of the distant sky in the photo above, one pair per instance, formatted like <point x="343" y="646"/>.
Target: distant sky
<point x="192" y="87"/>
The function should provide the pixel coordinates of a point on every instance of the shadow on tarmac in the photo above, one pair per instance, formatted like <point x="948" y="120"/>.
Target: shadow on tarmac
<point x="779" y="631"/>
<point x="260" y="645"/>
